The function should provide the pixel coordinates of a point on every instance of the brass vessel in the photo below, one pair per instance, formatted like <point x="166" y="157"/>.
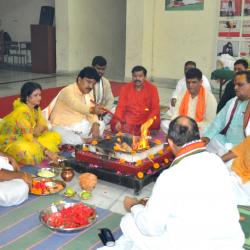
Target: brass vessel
<point x="67" y="173"/>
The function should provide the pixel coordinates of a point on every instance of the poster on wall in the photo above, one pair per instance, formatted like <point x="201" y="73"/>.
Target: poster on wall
<point x="245" y="49"/>
<point x="184" y="4"/>
<point x="228" y="47"/>
<point x="230" y="8"/>
<point x="247" y="8"/>
<point x="246" y="28"/>
<point x="229" y="28"/>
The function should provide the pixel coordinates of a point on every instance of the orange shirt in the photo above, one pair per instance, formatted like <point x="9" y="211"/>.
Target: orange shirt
<point x="241" y="164"/>
<point x="136" y="107"/>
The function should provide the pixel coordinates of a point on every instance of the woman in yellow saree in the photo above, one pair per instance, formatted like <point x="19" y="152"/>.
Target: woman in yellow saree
<point x="24" y="133"/>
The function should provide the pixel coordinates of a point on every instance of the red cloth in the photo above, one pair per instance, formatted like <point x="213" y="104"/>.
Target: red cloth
<point x="136" y="107"/>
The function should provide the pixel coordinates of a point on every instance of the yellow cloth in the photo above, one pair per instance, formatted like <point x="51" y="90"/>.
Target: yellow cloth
<point x="241" y="164"/>
<point x="72" y="107"/>
<point x="16" y="135"/>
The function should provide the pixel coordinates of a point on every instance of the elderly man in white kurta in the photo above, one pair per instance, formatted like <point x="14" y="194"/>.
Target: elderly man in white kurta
<point x="192" y="205"/>
<point x="14" y="184"/>
<point x="196" y="102"/>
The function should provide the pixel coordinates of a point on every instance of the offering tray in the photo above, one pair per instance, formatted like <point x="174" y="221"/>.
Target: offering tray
<point x="68" y="217"/>
<point x="46" y="186"/>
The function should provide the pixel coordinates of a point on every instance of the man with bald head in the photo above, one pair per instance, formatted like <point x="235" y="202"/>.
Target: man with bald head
<point x="183" y="201"/>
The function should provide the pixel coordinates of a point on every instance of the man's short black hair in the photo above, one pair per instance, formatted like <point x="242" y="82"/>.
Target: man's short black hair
<point x="99" y="60"/>
<point x="242" y="62"/>
<point x="90" y="73"/>
<point x="139" y="68"/>
<point x="246" y="73"/>
<point x="193" y="73"/>
<point x="181" y="134"/>
<point x="190" y="63"/>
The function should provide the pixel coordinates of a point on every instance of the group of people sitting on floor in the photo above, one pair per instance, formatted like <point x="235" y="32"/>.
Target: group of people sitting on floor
<point x="82" y="110"/>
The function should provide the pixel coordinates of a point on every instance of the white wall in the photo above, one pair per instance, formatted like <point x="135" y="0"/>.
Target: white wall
<point x="163" y="40"/>
<point x="94" y="27"/>
<point x="184" y="35"/>
<point x="16" y="16"/>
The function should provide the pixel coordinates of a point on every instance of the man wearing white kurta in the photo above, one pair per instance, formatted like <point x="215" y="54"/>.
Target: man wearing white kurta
<point x="102" y="89"/>
<point x="192" y="205"/>
<point x="14" y="185"/>
<point x="181" y="86"/>
<point x="196" y="92"/>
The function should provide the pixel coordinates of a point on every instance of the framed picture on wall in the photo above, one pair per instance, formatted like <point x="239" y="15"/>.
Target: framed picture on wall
<point x="246" y="28"/>
<point x="228" y="47"/>
<point x="184" y="5"/>
<point x="245" y="49"/>
<point x="230" y="7"/>
<point x="229" y="28"/>
<point x="247" y="8"/>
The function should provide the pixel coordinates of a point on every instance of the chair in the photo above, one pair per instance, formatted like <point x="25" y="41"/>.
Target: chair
<point x="26" y="48"/>
<point x="13" y="51"/>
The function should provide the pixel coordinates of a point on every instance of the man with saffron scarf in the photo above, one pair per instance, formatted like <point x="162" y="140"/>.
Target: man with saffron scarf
<point x="190" y="207"/>
<point x="138" y="104"/>
<point x="238" y="163"/>
<point x="231" y="125"/>
<point x="196" y="102"/>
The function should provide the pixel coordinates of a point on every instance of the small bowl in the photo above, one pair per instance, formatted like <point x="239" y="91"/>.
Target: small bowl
<point x="47" y="172"/>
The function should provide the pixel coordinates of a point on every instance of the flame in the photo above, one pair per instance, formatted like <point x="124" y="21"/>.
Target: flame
<point x="142" y="142"/>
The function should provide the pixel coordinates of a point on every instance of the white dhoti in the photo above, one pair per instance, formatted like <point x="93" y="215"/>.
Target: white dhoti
<point x="74" y="134"/>
<point x="241" y="190"/>
<point x="165" y="125"/>
<point x="12" y="192"/>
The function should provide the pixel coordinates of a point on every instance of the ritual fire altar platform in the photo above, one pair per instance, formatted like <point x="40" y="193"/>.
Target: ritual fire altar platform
<point x="114" y="159"/>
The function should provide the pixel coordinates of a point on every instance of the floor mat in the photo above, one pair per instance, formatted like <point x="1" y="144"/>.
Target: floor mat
<point x="20" y="227"/>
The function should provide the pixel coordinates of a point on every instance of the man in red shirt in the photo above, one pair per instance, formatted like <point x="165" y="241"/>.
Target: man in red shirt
<point x="138" y="103"/>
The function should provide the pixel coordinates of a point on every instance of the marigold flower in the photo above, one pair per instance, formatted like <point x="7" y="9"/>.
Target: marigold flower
<point x="85" y="149"/>
<point x="133" y="152"/>
<point x="157" y="141"/>
<point x="151" y="157"/>
<point x="140" y="175"/>
<point x="121" y="160"/>
<point x="94" y="142"/>
<point x="160" y="152"/>
<point x="156" y="165"/>
<point x="138" y="162"/>
<point x="166" y="160"/>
